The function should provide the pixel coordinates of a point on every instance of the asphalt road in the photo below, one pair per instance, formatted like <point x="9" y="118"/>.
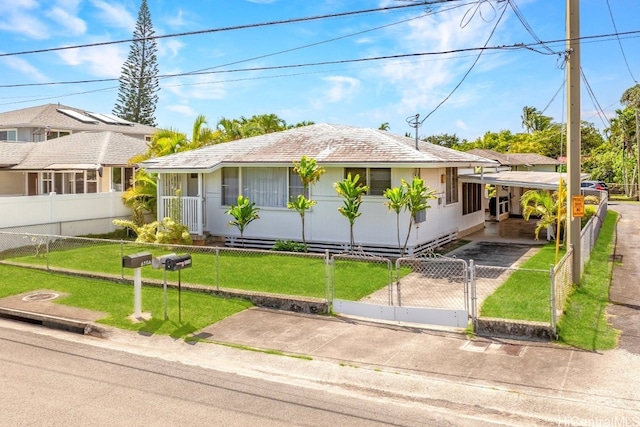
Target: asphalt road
<point x="51" y="382"/>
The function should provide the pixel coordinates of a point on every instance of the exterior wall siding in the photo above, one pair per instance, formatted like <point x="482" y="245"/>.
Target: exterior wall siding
<point x="324" y="223"/>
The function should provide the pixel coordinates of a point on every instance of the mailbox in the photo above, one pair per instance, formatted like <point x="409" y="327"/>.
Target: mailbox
<point x="136" y="260"/>
<point x="177" y="262"/>
<point x="159" y="262"/>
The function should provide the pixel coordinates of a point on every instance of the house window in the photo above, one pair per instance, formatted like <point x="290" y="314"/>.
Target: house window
<point x="471" y="198"/>
<point x="92" y="181"/>
<point x="295" y="186"/>
<point x="47" y="182"/>
<point x="230" y="185"/>
<point x="266" y="187"/>
<point x="53" y="134"/>
<point x="121" y="178"/>
<point x="8" y="135"/>
<point x="377" y="179"/>
<point x="451" y="179"/>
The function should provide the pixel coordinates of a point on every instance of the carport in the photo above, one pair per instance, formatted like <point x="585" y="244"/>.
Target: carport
<point x="510" y="185"/>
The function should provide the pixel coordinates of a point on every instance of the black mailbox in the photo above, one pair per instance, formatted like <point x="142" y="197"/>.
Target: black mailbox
<point x="136" y="260"/>
<point x="177" y="262"/>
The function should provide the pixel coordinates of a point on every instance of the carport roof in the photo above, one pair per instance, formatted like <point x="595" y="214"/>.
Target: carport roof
<point x="543" y="180"/>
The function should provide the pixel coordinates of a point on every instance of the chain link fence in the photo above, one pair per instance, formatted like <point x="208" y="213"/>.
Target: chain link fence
<point x="362" y="277"/>
<point x="433" y="281"/>
<point x="268" y="272"/>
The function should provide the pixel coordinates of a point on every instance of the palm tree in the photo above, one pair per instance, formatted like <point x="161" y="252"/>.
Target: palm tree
<point x="309" y="173"/>
<point x="397" y="200"/>
<point x="384" y="126"/>
<point x="142" y="196"/>
<point x="546" y="206"/>
<point x="351" y="191"/>
<point x="243" y="213"/>
<point x="417" y="194"/>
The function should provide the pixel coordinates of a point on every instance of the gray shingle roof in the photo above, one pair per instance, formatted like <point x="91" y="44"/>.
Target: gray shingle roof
<point x="515" y="159"/>
<point x="48" y="115"/>
<point x="82" y="148"/>
<point x="12" y="153"/>
<point x="328" y="144"/>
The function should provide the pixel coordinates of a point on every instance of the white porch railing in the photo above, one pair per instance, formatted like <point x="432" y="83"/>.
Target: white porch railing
<point x="192" y="211"/>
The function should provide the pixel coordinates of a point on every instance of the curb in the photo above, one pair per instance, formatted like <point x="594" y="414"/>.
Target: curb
<point x="55" y="322"/>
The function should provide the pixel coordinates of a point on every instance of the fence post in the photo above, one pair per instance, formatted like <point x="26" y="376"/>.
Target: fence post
<point x="552" y="301"/>
<point x="47" y="252"/>
<point x="398" y="287"/>
<point x="472" y="294"/>
<point x="121" y="256"/>
<point x="217" y="268"/>
<point x="327" y="279"/>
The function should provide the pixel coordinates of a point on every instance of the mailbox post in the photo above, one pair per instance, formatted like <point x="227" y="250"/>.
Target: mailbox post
<point x="159" y="263"/>
<point x="137" y="261"/>
<point x="178" y="263"/>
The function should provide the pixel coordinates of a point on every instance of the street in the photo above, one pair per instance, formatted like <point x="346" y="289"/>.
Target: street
<point x="48" y="381"/>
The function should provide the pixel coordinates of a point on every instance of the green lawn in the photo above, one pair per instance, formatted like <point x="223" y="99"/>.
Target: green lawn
<point x="585" y="323"/>
<point x="525" y="294"/>
<point x="198" y="310"/>
<point x="276" y="272"/>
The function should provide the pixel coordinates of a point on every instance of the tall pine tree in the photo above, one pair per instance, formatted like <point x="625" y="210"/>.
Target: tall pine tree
<point x="138" y="92"/>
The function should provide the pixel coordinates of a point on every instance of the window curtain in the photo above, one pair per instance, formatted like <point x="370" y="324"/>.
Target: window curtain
<point x="266" y="187"/>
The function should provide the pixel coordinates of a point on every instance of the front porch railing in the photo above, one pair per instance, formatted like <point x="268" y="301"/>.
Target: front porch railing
<point x="191" y="211"/>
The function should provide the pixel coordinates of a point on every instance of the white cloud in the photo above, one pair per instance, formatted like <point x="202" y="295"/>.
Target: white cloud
<point x="170" y="47"/>
<point x="74" y="25"/>
<point x="100" y="61"/>
<point x="185" y="110"/>
<point x="18" y="16"/>
<point x="423" y="84"/>
<point x="115" y="15"/>
<point x="341" y="88"/>
<point x="27" y="70"/>
<point x="461" y="125"/>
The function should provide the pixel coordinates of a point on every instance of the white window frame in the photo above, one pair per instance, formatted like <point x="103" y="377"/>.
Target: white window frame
<point x="451" y="189"/>
<point x="367" y="178"/>
<point x="8" y="131"/>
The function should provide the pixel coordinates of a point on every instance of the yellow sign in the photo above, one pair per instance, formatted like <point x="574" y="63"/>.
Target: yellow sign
<point x="578" y="206"/>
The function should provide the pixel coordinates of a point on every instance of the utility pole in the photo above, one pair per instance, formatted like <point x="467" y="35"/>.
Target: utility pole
<point x="573" y="130"/>
<point x="638" y="144"/>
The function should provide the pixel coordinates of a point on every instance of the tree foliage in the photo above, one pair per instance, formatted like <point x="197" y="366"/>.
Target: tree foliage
<point x="309" y="172"/>
<point x="243" y="212"/>
<point x="138" y="90"/>
<point x="351" y="191"/>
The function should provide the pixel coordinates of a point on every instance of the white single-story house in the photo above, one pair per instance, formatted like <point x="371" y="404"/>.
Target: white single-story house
<point x="261" y="168"/>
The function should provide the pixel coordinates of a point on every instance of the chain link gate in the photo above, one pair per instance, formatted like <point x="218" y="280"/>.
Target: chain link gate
<point x="433" y="289"/>
<point x="426" y="289"/>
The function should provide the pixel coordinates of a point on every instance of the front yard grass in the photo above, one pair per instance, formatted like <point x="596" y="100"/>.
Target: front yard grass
<point x="116" y="300"/>
<point x="525" y="293"/>
<point x="276" y="273"/>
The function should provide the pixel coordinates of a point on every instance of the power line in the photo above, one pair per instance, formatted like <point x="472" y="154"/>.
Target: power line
<point x="596" y="104"/>
<point x="465" y="75"/>
<point x="620" y="43"/>
<point x="344" y="61"/>
<point x="233" y="28"/>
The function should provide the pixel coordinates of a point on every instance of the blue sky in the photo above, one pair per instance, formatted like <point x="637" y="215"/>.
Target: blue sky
<point x="365" y="94"/>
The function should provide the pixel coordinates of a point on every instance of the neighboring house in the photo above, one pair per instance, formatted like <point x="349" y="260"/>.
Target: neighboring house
<point x="527" y="162"/>
<point x="78" y="157"/>
<point x="50" y="121"/>
<point x="83" y="162"/>
<point x="261" y="168"/>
